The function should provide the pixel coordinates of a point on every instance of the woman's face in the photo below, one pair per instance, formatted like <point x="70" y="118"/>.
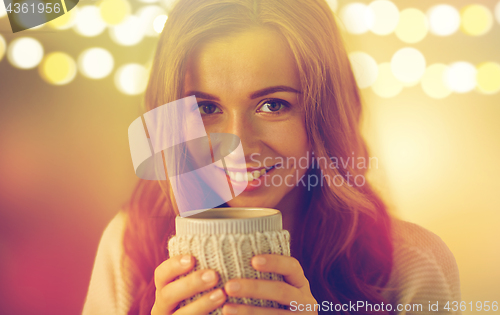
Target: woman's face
<point x="248" y="85"/>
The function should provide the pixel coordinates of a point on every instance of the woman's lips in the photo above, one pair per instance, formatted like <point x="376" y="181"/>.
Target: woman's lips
<point x="236" y="179"/>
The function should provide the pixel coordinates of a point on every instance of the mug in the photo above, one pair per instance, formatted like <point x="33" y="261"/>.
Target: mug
<point x="225" y="240"/>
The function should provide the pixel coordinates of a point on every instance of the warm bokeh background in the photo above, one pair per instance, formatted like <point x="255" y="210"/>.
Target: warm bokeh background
<point x="65" y="166"/>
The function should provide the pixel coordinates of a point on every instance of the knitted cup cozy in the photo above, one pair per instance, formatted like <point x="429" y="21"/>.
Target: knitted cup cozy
<point x="225" y="240"/>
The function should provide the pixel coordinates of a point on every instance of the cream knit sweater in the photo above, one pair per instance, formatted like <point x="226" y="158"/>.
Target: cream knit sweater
<point x="424" y="272"/>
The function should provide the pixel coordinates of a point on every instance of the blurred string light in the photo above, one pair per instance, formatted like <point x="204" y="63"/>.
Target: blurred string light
<point x="460" y="77"/>
<point x="3" y="47"/>
<point x="113" y="12"/>
<point x="408" y="68"/>
<point x="386" y="17"/>
<point x="408" y="65"/>
<point x="444" y="19"/>
<point x="488" y="78"/>
<point x="131" y="79"/>
<point x="95" y="63"/>
<point x="2" y="10"/>
<point x="477" y="20"/>
<point x="382" y="17"/>
<point x="357" y="18"/>
<point x="147" y="16"/>
<point x="159" y="23"/>
<point x="57" y="68"/>
<point x="128" y="33"/>
<point x="412" y="26"/>
<point x="64" y="21"/>
<point x="89" y="22"/>
<point x="25" y="52"/>
<point x="433" y="82"/>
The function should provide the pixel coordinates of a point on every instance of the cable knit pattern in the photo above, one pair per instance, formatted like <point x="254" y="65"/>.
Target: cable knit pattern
<point x="424" y="270"/>
<point x="230" y="255"/>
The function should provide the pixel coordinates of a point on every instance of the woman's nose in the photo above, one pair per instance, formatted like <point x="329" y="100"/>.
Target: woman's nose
<point x="245" y="131"/>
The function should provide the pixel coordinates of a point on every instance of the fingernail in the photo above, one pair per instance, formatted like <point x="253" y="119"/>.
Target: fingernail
<point x="208" y="276"/>
<point x="217" y="295"/>
<point x="185" y="260"/>
<point x="259" y="260"/>
<point x="233" y="286"/>
<point x="230" y="309"/>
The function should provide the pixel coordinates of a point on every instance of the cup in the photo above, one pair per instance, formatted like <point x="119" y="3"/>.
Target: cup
<point x="225" y="240"/>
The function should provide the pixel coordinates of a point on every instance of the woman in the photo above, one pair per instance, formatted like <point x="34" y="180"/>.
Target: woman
<point x="276" y="74"/>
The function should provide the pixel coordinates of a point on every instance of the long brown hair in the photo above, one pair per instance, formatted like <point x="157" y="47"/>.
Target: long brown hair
<point x="351" y="258"/>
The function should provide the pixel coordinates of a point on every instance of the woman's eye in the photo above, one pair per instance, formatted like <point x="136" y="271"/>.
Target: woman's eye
<point x="208" y="109"/>
<point x="272" y="106"/>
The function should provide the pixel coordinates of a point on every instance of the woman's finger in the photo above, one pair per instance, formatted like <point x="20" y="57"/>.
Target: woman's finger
<point x="231" y="309"/>
<point x="287" y="266"/>
<point x="205" y="304"/>
<point x="176" y="291"/>
<point x="278" y="291"/>
<point x="171" y="268"/>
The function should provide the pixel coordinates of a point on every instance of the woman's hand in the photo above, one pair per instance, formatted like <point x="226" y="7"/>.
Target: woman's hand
<point x="170" y="293"/>
<point x="296" y="288"/>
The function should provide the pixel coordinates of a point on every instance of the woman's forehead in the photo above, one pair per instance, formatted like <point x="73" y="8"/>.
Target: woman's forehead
<point x="242" y="62"/>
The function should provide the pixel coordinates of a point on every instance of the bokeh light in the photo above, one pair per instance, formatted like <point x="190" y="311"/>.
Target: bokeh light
<point x="461" y="77"/>
<point x="333" y="4"/>
<point x="147" y="16"/>
<point x="89" y="22"/>
<point x="357" y="18"/>
<point x="2" y="10"/>
<point x="433" y="82"/>
<point x="3" y="47"/>
<point x="477" y="20"/>
<point x="365" y="68"/>
<point x="386" y="85"/>
<point x="114" y="11"/>
<point x="25" y="52"/>
<point x="408" y="65"/>
<point x="128" y="33"/>
<point x="65" y="21"/>
<point x="131" y="79"/>
<point x="444" y="19"/>
<point x="58" y="68"/>
<point x="413" y="26"/>
<point x="159" y="23"/>
<point x="95" y="63"/>
<point x="386" y="17"/>
<point x="488" y="77"/>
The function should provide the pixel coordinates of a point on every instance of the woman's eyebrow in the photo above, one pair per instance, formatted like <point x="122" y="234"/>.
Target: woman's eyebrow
<point x="256" y="94"/>
<point x="273" y="89"/>
<point x="199" y="94"/>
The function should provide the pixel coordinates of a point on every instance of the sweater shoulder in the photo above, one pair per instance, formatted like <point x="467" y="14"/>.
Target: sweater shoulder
<point x="108" y="291"/>
<point x="424" y="268"/>
<point x="113" y="233"/>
